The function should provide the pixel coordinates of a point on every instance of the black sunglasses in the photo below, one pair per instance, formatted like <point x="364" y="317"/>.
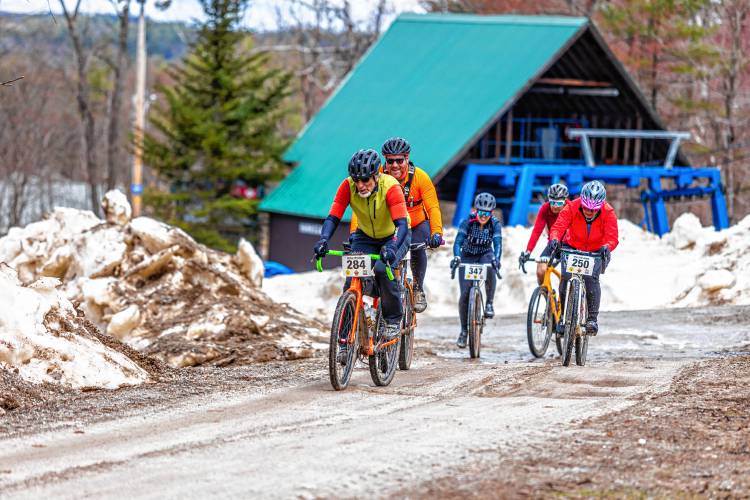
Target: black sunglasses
<point x="391" y="161"/>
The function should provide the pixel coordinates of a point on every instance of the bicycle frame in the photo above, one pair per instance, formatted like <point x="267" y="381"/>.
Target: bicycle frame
<point x="582" y="285"/>
<point x="356" y="288"/>
<point x="547" y="283"/>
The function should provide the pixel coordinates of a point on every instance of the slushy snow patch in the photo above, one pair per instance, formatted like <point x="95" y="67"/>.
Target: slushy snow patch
<point x="42" y="339"/>
<point x="155" y="288"/>
<point x="690" y="266"/>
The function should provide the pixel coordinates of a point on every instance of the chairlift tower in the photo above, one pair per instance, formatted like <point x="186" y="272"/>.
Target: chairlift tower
<point x="529" y="178"/>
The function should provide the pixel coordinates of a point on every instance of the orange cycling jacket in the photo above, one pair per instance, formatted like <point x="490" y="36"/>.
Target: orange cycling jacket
<point x="422" y="203"/>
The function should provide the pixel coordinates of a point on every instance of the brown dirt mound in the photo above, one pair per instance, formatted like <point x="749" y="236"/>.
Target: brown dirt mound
<point x="692" y="441"/>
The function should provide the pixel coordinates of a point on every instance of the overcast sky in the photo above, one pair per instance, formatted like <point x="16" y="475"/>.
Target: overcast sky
<point x="261" y="14"/>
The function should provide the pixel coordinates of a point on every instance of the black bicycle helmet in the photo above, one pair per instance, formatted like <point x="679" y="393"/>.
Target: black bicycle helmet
<point x="396" y="146"/>
<point x="485" y="201"/>
<point x="557" y="192"/>
<point x="364" y="164"/>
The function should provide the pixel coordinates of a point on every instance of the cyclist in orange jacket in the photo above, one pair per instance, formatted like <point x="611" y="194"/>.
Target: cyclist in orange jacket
<point x="422" y="205"/>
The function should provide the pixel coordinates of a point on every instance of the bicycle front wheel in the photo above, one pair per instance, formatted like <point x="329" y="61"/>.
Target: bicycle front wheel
<point x="571" y="321"/>
<point x="538" y="322"/>
<point x="476" y="322"/>
<point x="582" y="342"/>
<point x="383" y="363"/>
<point x="342" y="354"/>
<point x="406" y="351"/>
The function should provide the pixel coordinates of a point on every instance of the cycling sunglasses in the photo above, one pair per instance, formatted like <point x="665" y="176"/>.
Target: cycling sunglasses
<point x="362" y="179"/>
<point x="483" y="213"/>
<point x="391" y="161"/>
<point x="557" y="203"/>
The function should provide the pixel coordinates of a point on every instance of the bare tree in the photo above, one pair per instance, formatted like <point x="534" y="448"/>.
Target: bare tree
<point x="83" y="98"/>
<point x="322" y="41"/>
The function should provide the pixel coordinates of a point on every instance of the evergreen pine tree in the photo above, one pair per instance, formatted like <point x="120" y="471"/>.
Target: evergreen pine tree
<point x="217" y="127"/>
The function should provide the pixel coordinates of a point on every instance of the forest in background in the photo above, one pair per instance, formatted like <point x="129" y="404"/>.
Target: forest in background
<point x="65" y="127"/>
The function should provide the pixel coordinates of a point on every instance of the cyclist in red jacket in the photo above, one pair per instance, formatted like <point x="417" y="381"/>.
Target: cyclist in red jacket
<point x="557" y="196"/>
<point x="589" y="224"/>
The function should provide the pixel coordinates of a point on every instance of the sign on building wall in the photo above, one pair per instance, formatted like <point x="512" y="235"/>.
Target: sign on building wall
<point x="310" y="228"/>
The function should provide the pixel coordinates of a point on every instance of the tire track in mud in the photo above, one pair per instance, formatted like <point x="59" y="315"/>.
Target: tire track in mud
<point x="290" y="441"/>
<point x="465" y="404"/>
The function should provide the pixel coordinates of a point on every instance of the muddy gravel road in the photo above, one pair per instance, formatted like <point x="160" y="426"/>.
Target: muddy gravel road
<point x="293" y="436"/>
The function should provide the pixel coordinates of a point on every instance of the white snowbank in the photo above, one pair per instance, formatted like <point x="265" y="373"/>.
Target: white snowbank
<point x="43" y="340"/>
<point x="152" y="286"/>
<point x="690" y="266"/>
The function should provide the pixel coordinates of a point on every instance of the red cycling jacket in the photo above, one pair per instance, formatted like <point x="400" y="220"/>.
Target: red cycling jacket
<point x="603" y="229"/>
<point x="546" y="218"/>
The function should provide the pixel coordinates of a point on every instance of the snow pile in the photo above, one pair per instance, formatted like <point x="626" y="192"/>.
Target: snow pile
<point x="690" y="266"/>
<point x="42" y="339"/>
<point x="153" y="287"/>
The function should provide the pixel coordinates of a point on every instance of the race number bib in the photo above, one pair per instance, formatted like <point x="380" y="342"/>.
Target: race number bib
<point x="356" y="266"/>
<point x="580" y="264"/>
<point x="475" y="272"/>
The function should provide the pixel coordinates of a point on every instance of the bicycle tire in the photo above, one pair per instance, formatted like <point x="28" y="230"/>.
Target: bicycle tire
<point x="582" y="347"/>
<point x="406" y="349"/>
<point x="383" y="363"/>
<point x="571" y="321"/>
<point x="582" y="342"/>
<point x="546" y="324"/>
<point x="476" y="322"/>
<point x="343" y="317"/>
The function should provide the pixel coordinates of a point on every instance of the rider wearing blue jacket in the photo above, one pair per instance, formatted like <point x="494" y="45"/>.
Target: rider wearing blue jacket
<point x="479" y="241"/>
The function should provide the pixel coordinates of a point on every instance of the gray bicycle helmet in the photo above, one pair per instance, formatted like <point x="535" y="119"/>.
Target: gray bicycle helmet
<point x="593" y="195"/>
<point x="396" y="146"/>
<point x="485" y="201"/>
<point x="364" y="164"/>
<point x="557" y="192"/>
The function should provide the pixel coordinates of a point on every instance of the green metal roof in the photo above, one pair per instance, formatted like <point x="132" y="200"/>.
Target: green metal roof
<point x="438" y="80"/>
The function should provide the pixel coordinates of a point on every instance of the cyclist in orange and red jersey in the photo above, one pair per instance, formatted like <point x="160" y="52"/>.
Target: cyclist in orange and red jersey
<point x="423" y="207"/>
<point x="378" y="201"/>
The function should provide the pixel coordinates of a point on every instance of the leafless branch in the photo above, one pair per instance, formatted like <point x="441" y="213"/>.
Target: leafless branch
<point x="9" y="83"/>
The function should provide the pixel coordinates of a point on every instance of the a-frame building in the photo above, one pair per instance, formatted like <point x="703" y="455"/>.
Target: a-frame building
<point x="505" y="104"/>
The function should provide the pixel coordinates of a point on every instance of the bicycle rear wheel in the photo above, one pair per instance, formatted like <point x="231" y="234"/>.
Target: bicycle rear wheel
<point x="476" y="322"/>
<point x="383" y="363"/>
<point x="341" y="354"/>
<point x="406" y="350"/>
<point x="582" y="347"/>
<point x="571" y="321"/>
<point x="538" y="322"/>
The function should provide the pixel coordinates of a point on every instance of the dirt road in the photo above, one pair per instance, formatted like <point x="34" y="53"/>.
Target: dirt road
<point x="303" y="439"/>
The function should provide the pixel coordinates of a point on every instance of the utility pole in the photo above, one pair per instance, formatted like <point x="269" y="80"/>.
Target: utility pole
<point x="136" y="186"/>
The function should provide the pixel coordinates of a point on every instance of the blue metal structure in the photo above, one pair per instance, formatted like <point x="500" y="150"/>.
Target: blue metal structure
<point x="529" y="179"/>
<point x="531" y="145"/>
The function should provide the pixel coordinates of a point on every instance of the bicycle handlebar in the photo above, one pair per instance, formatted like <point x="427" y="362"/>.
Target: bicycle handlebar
<point x="341" y="253"/>
<point x="542" y="260"/>
<point x="595" y="255"/>
<point x="497" y="271"/>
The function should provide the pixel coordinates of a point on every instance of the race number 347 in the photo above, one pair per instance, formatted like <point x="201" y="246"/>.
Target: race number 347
<point x="580" y="264"/>
<point x="474" y="273"/>
<point x="356" y="266"/>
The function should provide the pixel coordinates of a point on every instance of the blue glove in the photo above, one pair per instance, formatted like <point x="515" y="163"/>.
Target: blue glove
<point x="552" y="248"/>
<point x="496" y="263"/>
<point x="321" y="248"/>
<point x="523" y="258"/>
<point x="388" y="255"/>
<point x="606" y="255"/>
<point x="455" y="262"/>
<point x="435" y="240"/>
